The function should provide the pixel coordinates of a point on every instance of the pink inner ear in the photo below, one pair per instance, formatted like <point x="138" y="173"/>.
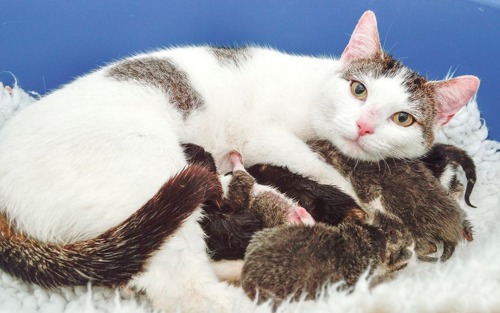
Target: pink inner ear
<point x="364" y="42"/>
<point x="452" y="94"/>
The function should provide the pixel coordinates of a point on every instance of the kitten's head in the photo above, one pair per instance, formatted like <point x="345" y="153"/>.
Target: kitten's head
<point x="381" y="108"/>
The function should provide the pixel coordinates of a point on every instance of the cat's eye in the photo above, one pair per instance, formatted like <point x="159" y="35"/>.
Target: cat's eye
<point x="403" y="119"/>
<point x="358" y="90"/>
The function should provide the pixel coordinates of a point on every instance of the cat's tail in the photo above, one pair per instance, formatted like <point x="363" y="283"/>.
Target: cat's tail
<point x="443" y="155"/>
<point x="112" y="258"/>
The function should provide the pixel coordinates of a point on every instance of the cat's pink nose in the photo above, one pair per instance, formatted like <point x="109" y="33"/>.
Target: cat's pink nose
<point x="364" y="128"/>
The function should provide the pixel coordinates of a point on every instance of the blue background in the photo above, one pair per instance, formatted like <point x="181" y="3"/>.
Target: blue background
<point x="48" y="43"/>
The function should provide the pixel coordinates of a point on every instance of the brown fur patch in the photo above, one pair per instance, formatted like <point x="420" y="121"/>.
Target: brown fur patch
<point x="5" y="228"/>
<point x="162" y="74"/>
<point x="230" y="56"/>
<point x="408" y="190"/>
<point x="288" y="260"/>
<point x="421" y="93"/>
<point x="325" y="203"/>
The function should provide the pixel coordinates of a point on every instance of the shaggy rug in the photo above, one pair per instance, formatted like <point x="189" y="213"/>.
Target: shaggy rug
<point x="468" y="282"/>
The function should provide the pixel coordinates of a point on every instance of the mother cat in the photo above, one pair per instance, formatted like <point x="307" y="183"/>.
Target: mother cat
<point x="87" y="156"/>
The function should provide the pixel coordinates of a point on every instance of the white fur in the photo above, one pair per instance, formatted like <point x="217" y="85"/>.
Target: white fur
<point x="386" y="96"/>
<point x="446" y="178"/>
<point x="85" y="157"/>
<point x="465" y="283"/>
<point x="228" y="270"/>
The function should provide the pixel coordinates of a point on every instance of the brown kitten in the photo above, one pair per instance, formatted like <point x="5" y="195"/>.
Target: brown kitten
<point x="289" y="260"/>
<point x="246" y="208"/>
<point x="326" y="203"/>
<point x="275" y="208"/>
<point x="408" y="190"/>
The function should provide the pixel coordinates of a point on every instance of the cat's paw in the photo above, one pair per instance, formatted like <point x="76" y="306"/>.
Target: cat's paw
<point x="399" y="246"/>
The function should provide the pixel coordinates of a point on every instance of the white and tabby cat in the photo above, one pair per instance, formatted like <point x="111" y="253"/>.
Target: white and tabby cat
<point x="87" y="156"/>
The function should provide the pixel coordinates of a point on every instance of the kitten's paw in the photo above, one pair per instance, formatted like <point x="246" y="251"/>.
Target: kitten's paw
<point x="468" y="231"/>
<point x="299" y="215"/>
<point x="428" y="251"/>
<point x="399" y="247"/>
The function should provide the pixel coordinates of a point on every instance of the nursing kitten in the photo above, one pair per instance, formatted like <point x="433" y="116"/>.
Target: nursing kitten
<point x="229" y="228"/>
<point x="325" y="203"/>
<point x="114" y="257"/>
<point x="406" y="190"/>
<point x="287" y="261"/>
<point x="85" y="157"/>
<point x="246" y="203"/>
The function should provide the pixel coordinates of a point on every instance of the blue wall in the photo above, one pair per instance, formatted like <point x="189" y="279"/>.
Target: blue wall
<point x="47" y="43"/>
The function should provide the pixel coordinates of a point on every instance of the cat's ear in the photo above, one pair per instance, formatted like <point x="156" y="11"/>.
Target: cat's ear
<point x="365" y="41"/>
<point x="452" y="94"/>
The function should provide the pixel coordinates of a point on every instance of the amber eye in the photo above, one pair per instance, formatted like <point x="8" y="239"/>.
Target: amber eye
<point x="403" y="119"/>
<point x="358" y="90"/>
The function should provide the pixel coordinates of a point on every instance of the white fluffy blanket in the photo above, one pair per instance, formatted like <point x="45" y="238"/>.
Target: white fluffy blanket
<point x="468" y="282"/>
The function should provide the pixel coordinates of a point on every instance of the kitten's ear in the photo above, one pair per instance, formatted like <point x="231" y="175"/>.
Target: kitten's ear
<point x="452" y="94"/>
<point x="364" y="42"/>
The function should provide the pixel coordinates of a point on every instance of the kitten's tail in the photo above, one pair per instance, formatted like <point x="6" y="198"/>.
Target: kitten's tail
<point x="112" y="258"/>
<point x="442" y="155"/>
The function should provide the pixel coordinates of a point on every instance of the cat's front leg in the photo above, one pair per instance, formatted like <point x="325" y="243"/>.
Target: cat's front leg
<point x="281" y="148"/>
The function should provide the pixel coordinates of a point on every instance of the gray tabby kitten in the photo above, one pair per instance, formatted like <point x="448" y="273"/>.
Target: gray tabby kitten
<point x="288" y="261"/>
<point x="406" y="190"/>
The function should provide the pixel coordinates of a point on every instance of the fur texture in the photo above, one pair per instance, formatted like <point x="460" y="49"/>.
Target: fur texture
<point x="114" y="257"/>
<point x="289" y="261"/>
<point x="87" y="156"/>
<point x="247" y="207"/>
<point x="445" y="162"/>
<point x="326" y="203"/>
<point x="462" y="284"/>
<point x="407" y="190"/>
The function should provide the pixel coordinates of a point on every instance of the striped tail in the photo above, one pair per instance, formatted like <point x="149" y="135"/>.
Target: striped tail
<point x="112" y="258"/>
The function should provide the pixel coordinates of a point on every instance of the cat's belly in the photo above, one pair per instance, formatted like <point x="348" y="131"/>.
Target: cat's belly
<point x="71" y="176"/>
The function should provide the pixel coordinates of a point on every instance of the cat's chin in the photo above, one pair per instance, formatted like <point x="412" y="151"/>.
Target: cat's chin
<point x="359" y="151"/>
<point x="366" y="151"/>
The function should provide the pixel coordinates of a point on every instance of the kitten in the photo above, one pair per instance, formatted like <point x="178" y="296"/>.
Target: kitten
<point x="85" y="157"/>
<point x="246" y="208"/>
<point x="287" y="261"/>
<point x="407" y="190"/>
<point x="230" y="227"/>
<point x="324" y="202"/>
<point x="114" y="257"/>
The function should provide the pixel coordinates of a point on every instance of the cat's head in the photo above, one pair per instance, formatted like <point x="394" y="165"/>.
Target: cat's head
<point x="379" y="108"/>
